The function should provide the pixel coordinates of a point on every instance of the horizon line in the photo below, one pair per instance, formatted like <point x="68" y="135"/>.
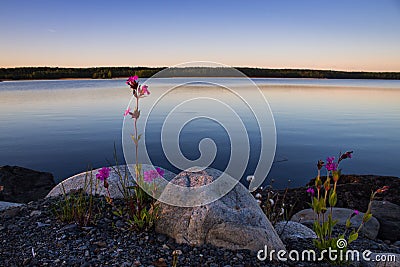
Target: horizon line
<point x="155" y="67"/>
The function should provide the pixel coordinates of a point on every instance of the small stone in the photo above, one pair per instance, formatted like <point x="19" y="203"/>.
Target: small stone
<point x="397" y="243"/>
<point x="373" y="246"/>
<point x="165" y="247"/>
<point x="39" y="224"/>
<point x="137" y="263"/>
<point x="26" y="261"/>
<point x="87" y="253"/>
<point x="35" y="213"/>
<point x="101" y="244"/>
<point x="161" y="238"/>
<point x="120" y="224"/>
<point x="160" y="263"/>
<point x="239" y="256"/>
<point x="69" y="227"/>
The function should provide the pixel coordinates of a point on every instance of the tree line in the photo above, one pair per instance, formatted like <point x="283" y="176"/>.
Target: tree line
<point x="36" y="73"/>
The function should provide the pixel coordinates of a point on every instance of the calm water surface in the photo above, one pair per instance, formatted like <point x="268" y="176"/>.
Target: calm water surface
<point x="64" y="126"/>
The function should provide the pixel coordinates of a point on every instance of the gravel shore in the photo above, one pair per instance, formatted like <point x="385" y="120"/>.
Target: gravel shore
<point x="31" y="235"/>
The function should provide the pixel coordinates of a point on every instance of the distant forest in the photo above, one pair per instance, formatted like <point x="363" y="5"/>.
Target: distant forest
<point x="36" y="73"/>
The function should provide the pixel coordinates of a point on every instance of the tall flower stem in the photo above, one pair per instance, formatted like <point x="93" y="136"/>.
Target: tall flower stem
<point x="137" y="141"/>
<point x="138" y="193"/>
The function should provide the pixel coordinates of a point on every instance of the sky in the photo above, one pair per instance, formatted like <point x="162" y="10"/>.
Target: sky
<point x="309" y="34"/>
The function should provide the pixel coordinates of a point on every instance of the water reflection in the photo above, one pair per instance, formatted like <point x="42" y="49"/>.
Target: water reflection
<point x="64" y="126"/>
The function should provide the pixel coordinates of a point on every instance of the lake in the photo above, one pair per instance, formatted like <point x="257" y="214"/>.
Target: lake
<point x="67" y="126"/>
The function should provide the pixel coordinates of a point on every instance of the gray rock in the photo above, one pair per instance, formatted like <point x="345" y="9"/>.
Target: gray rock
<point x="6" y="205"/>
<point x="35" y="213"/>
<point x="370" y="229"/>
<point x="289" y="230"/>
<point x="118" y="175"/>
<point x="234" y="221"/>
<point x="24" y="185"/>
<point x="39" y="224"/>
<point x="388" y="215"/>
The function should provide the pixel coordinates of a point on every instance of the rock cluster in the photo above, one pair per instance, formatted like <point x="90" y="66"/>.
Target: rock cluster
<point x="226" y="232"/>
<point x="354" y="193"/>
<point x="370" y="229"/>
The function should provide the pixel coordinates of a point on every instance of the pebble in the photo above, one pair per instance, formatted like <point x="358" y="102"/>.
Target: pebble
<point x="101" y="244"/>
<point x="35" y="213"/>
<point x="162" y="238"/>
<point x="120" y="224"/>
<point x="69" y="227"/>
<point x="39" y="224"/>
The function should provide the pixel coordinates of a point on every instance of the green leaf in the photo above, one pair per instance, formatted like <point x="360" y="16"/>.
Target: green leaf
<point x="325" y="228"/>
<point x="333" y="199"/>
<point x="134" y="139"/>
<point x="353" y="237"/>
<point x="348" y="223"/>
<point x="317" y="229"/>
<point x="367" y="217"/>
<point x="315" y="205"/>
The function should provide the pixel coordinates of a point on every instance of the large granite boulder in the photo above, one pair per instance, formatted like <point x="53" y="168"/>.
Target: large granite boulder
<point x="118" y="175"/>
<point x="234" y="221"/>
<point x="388" y="215"/>
<point x="370" y="229"/>
<point x="23" y="185"/>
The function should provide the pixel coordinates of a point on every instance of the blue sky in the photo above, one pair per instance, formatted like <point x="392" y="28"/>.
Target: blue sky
<point x="341" y="35"/>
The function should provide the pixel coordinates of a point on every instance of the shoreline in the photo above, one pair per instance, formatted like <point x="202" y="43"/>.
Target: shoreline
<point x="217" y="77"/>
<point x="35" y="236"/>
<point x="33" y="73"/>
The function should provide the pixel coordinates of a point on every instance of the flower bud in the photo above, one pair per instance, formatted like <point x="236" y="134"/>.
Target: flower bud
<point x="383" y="189"/>
<point x="320" y="164"/>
